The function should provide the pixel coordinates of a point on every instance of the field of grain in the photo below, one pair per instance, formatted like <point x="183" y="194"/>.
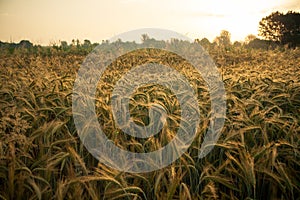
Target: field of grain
<point x="256" y="157"/>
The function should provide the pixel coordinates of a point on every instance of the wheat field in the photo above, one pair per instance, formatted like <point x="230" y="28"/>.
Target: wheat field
<point x="256" y="157"/>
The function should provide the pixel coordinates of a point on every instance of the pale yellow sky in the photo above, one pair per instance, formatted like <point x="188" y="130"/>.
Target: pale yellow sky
<point x="45" y="22"/>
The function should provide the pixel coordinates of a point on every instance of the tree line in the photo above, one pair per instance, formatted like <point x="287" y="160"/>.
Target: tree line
<point x="277" y="29"/>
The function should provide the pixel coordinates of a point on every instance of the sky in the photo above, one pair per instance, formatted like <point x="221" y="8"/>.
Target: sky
<point x="48" y="22"/>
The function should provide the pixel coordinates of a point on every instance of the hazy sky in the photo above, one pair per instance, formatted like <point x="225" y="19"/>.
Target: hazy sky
<point x="45" y="22"/>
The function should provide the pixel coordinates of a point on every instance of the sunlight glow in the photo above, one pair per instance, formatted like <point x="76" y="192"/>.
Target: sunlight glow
<point x="51" y="21"/>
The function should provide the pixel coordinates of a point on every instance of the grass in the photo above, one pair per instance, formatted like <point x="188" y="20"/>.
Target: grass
<point x="256" y="157"/>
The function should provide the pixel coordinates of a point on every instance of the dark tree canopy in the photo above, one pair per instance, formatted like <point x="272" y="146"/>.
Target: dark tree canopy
<point x="282" y="28"/>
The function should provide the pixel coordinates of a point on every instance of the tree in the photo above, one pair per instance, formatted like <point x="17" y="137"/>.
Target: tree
<point x="105" y="42"/>
<point x="204" y="42"/>
<point x="237" y="44"/>
<point x="86" y="43"/>
<point x="64" y="45"/>
<point x="224" y="39"/>
<point x="145" y="37"/>
<point x="77" y="43"/>
<point x="25" y="44"/>
<point x="281" y="28"/>
<point x="249" y="38"/>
